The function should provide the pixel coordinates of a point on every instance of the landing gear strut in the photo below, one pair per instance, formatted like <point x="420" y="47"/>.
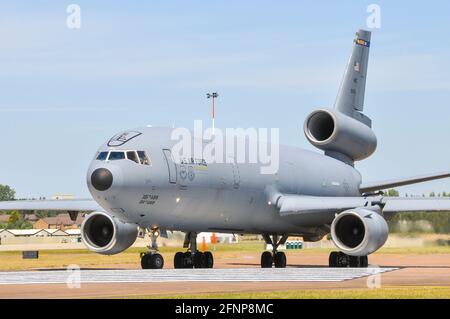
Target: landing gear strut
<point x="341" y="260"/>
<point x="152" y="259"/>
<point x="192" y="258"/>
<point x="276" y="258"/>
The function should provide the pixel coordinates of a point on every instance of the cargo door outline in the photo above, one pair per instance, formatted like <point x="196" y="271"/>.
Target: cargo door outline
<point x="171" y="167"/>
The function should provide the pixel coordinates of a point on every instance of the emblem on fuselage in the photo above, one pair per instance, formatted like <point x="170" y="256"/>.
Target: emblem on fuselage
<point x="122" y="138"/>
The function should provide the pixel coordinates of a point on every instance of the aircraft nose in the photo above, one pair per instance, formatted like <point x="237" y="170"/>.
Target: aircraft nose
<point x="101" y="179"/>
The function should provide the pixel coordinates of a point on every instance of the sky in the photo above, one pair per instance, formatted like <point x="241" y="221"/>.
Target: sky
<point x="64" y="91"/>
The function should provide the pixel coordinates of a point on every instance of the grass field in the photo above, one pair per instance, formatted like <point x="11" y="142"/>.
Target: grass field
<point x="382" y="293"/>
<point x="12" y="260"/>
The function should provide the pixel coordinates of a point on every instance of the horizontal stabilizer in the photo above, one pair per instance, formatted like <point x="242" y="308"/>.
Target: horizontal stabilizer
<point x="380" y="185"/>
<point x="80" y="205"/>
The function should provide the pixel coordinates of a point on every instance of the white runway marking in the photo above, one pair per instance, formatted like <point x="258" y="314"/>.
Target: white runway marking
<point x="183" y="275"/>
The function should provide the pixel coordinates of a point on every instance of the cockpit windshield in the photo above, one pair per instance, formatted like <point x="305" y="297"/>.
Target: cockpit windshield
<point x="139" y="157"/>
<point x="102" y="156"/>
<point x="113" y="156"/>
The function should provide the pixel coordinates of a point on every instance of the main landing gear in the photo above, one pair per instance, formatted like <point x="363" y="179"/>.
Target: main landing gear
<point x="152" y="259"/>
<point x="192" y="258"/>
<point x="341" y="260"/>
<point x="276" y="258"/>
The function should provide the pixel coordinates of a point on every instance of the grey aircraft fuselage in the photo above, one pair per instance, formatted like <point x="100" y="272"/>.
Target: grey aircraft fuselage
<point x="225" y="197"/>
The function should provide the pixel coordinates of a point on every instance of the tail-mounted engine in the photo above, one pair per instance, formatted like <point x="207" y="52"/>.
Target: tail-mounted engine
<point x="336" y="134"/>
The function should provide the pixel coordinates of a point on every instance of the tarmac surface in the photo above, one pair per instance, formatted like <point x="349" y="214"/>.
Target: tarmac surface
<point x="184" y="275"/>
<point x="241" y="273"/>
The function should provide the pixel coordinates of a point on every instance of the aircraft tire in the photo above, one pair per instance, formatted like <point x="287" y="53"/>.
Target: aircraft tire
<point x="363" y="261"/>
<point x="354" y="261"/>
<point x="145" y="261"/>
<point x="266" y="259"/>
<point x="178" y="260"/>
<point x="156" y="261"/>
<point x="280" y="260"/>
<point x="209" y="259"/>
<point x="188" y="262"/>
<point x="343" y="260"/>
<point x="199" y="260"/>
<point x="332" y="260"/>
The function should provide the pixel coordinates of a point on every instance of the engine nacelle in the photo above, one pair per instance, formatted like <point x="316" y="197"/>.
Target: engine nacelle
<point x="334" y="131"/>
<point x="106" y="235"/>
<point x="359" y="231"/>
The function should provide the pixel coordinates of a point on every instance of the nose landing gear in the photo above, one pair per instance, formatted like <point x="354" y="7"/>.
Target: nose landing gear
<point x="192" y="258"/>
<point x="276" y="258"/>
<point x="152" y="259"/>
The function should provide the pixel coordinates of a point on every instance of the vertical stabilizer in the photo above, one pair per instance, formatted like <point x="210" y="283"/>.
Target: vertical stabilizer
<point x="350" y="99"/>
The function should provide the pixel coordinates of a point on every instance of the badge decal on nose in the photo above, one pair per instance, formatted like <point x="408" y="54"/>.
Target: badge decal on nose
<point x="101" y="179"/>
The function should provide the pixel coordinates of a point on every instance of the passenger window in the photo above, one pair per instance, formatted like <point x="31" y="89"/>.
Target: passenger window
<point x="131" y="155"/>
<point x="102" y="156"/>
<point x="143" y="157"/>
<point x="116" y="156"/>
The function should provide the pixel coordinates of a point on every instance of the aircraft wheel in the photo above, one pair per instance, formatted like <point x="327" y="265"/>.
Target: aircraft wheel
<point x="209" y="259"/>
<point x="280" y="260"/>
<point x="178" y="260"/>
<point x="199" y="260"/>
<point x="363" y="261"/>
<point x="145" y="261"/>
<point x="156" y="261"/>
<point x="343" y="260"/>
<point x="188" y="262"/>
<point x="332" y="260"/>
<point x="266" y="260"/>
<point x="354" y="261"/>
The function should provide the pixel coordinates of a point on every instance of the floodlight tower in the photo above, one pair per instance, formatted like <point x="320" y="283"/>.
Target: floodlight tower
<point x="212" y="96"/>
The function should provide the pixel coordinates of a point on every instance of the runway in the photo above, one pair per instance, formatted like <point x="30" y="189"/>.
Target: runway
<point x="233" y="273"/>
<point x="189" y="275"/>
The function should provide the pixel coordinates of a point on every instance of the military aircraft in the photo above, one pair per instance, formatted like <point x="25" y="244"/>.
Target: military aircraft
<point x="137" y="186"/>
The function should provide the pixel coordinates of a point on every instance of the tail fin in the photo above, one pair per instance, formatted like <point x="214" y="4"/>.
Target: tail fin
<point x="350" y="99"/>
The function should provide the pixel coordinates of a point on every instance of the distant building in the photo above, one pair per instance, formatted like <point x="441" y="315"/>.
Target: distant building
<point x="9" y="233"/>
<point x="32" y="218"/>
<point x="61" y="221"/>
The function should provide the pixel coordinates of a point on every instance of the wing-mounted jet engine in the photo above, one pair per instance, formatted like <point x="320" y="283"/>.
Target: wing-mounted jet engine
<point x="344" y="132"/>
<point x="106" y="235"/>
<point x="359" y="231"/>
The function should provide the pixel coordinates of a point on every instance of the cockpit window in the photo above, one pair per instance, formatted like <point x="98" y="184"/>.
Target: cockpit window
<point x="139" y="157"/>
<point x="131" y="155"/>
<point x="143" y="157"/>
<point x="113" y="156"/>
<point x="102" y="156"/>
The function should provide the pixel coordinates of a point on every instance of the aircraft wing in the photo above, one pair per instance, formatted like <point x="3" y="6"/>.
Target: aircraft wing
<point x="401" y="204"/>
<point x="374" y="186"/>
<point x="297" y="204"/>
<point x="80" y="205"/>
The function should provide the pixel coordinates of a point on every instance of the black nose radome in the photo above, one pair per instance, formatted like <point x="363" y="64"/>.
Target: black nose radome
<point x="101" y="179"/>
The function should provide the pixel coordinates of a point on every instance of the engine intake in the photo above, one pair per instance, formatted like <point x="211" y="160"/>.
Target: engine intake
<point x="359" y="232"/>
<point x="104" y="234"/>
<point x="334" y="131"/>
